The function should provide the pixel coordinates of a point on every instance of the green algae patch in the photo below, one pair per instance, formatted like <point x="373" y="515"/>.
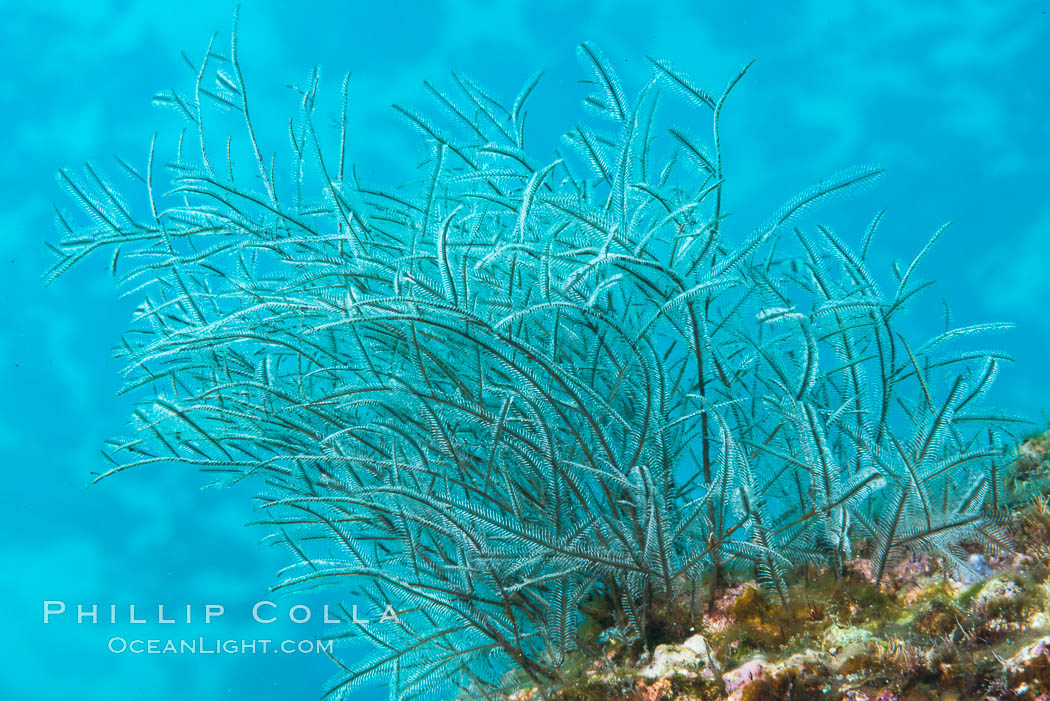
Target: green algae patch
<point x="1011" y="597"/>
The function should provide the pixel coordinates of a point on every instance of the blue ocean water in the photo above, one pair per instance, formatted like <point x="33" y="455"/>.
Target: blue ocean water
<point x="951" y="98"/>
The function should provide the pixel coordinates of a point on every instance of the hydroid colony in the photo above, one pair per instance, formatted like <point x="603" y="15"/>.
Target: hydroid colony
<point x="527" y="381"/>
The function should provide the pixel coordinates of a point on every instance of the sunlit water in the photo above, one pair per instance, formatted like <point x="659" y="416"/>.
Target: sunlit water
<point x="951" y="98"/>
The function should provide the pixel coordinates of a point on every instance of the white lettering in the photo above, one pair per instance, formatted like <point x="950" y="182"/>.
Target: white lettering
<point x="53" y="608"/>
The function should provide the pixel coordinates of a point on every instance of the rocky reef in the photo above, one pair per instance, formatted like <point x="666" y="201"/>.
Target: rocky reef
<point x="925" y="633"/>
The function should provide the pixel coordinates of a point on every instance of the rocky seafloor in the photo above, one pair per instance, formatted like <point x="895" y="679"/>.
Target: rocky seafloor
<point x="924" y="633"/>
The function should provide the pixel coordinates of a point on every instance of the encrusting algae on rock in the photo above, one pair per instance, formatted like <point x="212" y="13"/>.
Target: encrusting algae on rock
<point x="925" y="634"/>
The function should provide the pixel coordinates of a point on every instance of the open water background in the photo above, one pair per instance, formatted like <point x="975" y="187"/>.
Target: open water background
<point x="953" y="98"/>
